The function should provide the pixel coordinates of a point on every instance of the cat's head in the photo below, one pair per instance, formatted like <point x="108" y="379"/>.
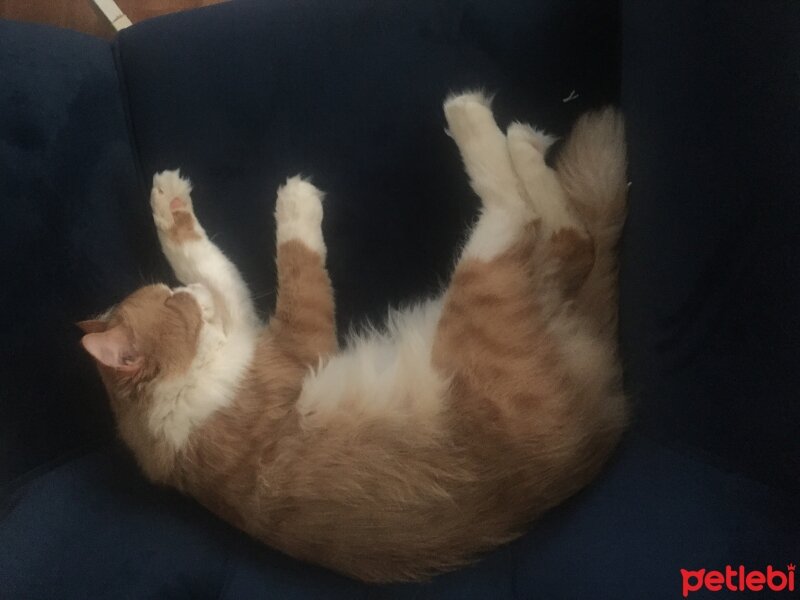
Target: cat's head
<point x="152" y="333"/>
<point x="152" y="337"/>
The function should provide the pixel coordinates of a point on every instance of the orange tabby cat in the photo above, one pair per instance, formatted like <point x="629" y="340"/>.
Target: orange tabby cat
<point x="412" y="450"/>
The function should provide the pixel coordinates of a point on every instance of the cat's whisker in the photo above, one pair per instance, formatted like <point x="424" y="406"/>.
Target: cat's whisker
<point x="262" y="295"/>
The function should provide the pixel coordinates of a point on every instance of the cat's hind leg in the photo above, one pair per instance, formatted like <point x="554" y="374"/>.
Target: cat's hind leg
<point x="506" y="218"/>
<point x="491" y="324"/>
<point x="530" y="400"/>
<point x="565" y="254"/>
<point x="194" y="258"/>
<point x="304" y="322"/>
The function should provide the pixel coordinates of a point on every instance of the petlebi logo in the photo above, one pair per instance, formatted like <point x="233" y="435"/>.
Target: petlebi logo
<point x="739" y="579"/>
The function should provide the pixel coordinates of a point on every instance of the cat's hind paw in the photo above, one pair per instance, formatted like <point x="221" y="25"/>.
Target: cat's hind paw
<point x="527" y="147"/>
<point x="468" y="115"/>
<point x="483" y="148"/>
<point x="298" y="214"/>
<point x="171" y="202"/>
<point x="522" y="133"/>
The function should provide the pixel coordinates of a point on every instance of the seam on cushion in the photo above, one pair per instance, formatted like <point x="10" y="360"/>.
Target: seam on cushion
<point x="514" y="572"/>
<point x="133" y="142"/>
<point x="230" y="573"/>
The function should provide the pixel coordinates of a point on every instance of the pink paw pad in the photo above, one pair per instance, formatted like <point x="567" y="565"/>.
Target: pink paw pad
<point x="177" y="204"/>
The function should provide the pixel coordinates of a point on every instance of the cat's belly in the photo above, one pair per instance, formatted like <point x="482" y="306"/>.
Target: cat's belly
<point x="381" y="374"/>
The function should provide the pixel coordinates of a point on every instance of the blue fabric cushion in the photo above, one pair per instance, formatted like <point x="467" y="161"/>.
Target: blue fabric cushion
<point x="93" y="528"/>
<point x="711" y="260"/>
<point x="71" y="236"/>
<point x="243" y="94"/>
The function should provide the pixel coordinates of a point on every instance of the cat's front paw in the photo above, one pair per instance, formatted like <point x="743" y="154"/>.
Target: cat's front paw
<point x="298" y="214"/>
<point x="171" y="202"/>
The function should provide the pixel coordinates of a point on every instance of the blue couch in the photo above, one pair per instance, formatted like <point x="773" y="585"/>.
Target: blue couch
<point x="243" y="94"/>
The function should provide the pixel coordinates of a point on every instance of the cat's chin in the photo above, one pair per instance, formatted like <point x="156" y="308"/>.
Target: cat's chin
<point x="203" y="297"/>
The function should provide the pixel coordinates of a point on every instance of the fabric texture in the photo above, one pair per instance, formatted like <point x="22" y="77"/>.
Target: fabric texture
<point x="71" y="236"/>
<point x="242" y="95"/>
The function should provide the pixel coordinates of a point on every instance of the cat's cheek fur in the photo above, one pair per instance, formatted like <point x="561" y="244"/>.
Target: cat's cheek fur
<point x="182" y="403"/>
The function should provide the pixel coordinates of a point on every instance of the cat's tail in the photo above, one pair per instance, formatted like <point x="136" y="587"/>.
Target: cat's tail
<point x="592" y="169"/>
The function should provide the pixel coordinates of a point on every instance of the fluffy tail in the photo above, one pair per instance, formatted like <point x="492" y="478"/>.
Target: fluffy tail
<point x="592" y="169"/>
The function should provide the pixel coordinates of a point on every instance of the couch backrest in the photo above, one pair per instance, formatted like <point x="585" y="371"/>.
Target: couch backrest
<point x="711" y="255"/>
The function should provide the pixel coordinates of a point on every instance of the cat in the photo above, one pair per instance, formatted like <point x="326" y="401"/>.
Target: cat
<point x="414" y="449"/>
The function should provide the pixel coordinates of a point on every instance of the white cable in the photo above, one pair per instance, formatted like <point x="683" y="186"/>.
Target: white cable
<point x="113" y="13"/>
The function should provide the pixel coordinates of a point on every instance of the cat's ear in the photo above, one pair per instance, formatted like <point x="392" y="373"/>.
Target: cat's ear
<point x="113" y="348"/>
<point x="92" y="326"/>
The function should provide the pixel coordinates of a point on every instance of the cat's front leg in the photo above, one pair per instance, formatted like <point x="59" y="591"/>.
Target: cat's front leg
<point x="193" y="257"/>
<point x="304" y="323"/>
